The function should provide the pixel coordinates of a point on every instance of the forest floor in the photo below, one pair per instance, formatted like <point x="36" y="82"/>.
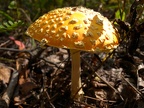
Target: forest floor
<point x="41" y="78"/>
<point x="32" y="76"/>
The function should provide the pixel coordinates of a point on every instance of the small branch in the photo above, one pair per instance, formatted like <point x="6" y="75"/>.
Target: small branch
<point x="4" y="43"/>
<point x="10" y="89"/>
<point x="134" y="88"/>
<point x="17" y="50"/>
<point x="86" y="105"/>
<point x="48" y="96"/>
<point x="57" y="65"/>
<point x="110" y="101"/>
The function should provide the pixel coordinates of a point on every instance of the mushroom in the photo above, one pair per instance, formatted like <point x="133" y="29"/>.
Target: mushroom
<point x="77" y="29"/>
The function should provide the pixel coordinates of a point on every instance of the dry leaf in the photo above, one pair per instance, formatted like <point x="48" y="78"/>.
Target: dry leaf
<point x="5" y="73"/>
<point x="27" y="87"/>
<point x="18" y="43"/>
<point x="21" y="66"/>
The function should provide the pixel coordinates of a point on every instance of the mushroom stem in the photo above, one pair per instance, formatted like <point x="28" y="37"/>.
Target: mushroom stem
<point x="75" y="75"/>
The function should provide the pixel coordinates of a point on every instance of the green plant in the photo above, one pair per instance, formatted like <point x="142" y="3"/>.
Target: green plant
<point x="10" y="25"/>
<point x="8" y="22"/>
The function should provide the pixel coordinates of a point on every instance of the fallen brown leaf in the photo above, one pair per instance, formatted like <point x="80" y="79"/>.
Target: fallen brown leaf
<point x="27" y="87"/>
<point x="18" y="43"/>
<point x="5" y="73"/>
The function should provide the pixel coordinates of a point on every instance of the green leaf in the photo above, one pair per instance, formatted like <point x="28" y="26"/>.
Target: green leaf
<point x="12" y="5"/>
<point x="6" y="15"/>
<point x="10" y="25"/>
<point x="119" y="14"/>
<point x="2" y="27"/>
<point x="6" y="24"/>
<point x="10" y="22"/>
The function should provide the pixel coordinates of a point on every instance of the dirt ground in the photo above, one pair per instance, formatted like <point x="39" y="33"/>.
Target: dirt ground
<point x="41" y="78"/>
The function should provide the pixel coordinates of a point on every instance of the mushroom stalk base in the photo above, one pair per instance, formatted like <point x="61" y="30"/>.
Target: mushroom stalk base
<point x="76" y="90"/>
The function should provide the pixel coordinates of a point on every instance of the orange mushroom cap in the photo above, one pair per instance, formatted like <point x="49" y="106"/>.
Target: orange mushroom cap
<point x="75" y="28"/>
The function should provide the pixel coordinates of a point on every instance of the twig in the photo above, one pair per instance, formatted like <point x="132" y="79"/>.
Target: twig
<point x="10" y="89"/>
<point x="110" y="101"/>
<point x="4" y="43"/>
<point x="86" y="105"/>
<point x="49" y="99"/>
<point x="17" y="50"/>
<point x="134" y="88"/>
<point x="57" y="66"/>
